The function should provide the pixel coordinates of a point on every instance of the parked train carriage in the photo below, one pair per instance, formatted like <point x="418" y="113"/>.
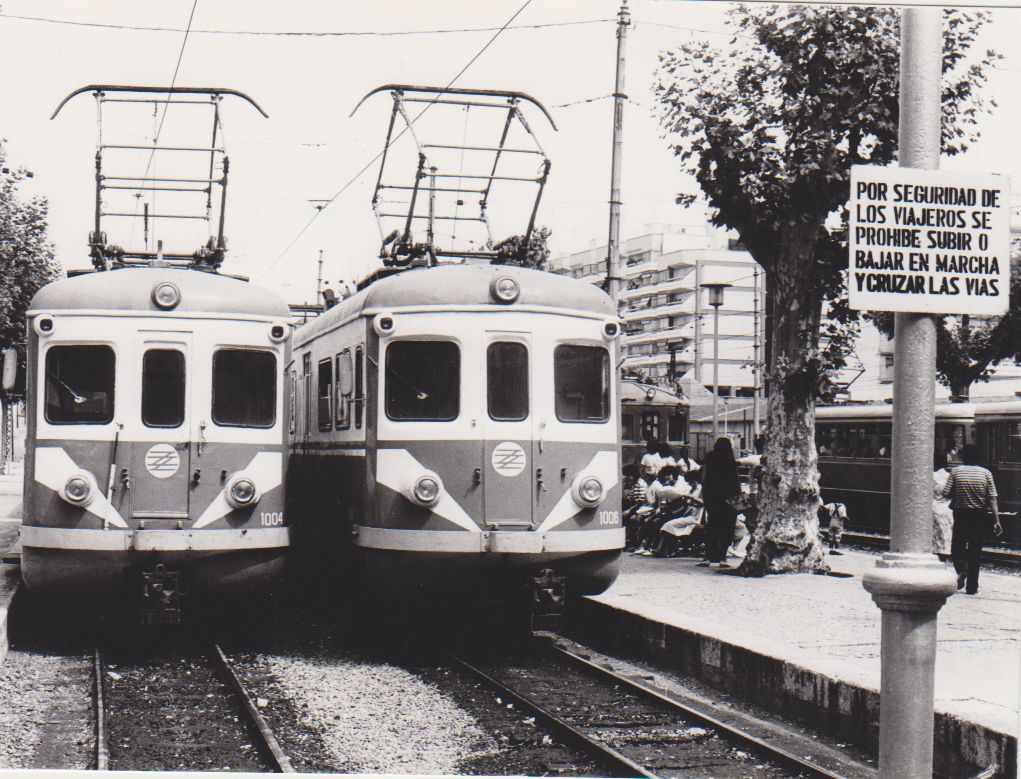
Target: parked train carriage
<point x="854" y="445"/>
<point x="455" y="430"/>
<point x="650" y="413"/>
<point x="155" y="436"/>
<point x="998" y="436"/>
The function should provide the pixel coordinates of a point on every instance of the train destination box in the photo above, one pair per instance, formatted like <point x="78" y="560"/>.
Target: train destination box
<point x="929" y="241"/>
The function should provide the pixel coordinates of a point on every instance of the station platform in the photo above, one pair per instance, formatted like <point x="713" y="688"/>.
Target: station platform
<point x="808" y="646"/>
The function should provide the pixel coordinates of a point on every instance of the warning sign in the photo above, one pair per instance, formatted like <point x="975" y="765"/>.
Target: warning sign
<point x="929" y="241"/>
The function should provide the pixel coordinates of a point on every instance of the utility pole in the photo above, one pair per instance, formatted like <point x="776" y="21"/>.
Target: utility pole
<point x="619" y="98"/>
<point x="319" y="280"/>
<point x="909" y="583"/>
<point x="757" y="357"/>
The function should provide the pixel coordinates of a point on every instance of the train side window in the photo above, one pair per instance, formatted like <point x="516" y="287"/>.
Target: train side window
<point x="345" y="388"/>
<point x="675" y="426"/>
<point x="163" y="388"/>
<point x="359" y="399"/>
<point x="244" y="388"/>
<point x="325" y="409"/>
<point x="581" y="382"/>
<point x="423" y="380"/>
<point x="80" y="385"/>
<point x="507" y="381"/>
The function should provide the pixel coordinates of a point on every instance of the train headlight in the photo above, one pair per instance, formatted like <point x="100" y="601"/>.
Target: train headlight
<point x="241" y="492"/>
<point x="166" y="295"/>
<point x="279" y="332"/>
<point x="425" y="490"/>
<point x="611" y="329"/>
<point x="504" y="289"/>
<point x="383" y="324"/>
<point x="79" y="489"/>
<point x="587" y="491"/>
<point x="43" y="325"/>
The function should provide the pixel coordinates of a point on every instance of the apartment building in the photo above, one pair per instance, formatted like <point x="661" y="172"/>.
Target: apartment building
<point x="669" y="323"/>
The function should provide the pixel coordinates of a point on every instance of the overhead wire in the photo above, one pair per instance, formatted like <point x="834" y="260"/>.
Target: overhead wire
<point x="305" y="33"/>
<point x="371" y="162"/>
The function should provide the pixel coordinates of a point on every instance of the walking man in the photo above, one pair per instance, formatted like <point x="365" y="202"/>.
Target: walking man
<point x="971" y="491"/>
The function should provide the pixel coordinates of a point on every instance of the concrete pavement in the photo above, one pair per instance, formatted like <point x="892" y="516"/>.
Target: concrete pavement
<point x="822" y="634"/>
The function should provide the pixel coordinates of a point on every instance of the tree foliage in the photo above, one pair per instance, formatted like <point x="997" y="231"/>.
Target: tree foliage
<point x="26" y="256"/>
<point x="969" y="348"/>
<point x="770" y="126"/>
<point x="512" y="251"/>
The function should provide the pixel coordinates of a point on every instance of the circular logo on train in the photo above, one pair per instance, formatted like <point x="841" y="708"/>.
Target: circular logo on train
<point x="162" y="461"/>
<point x="508" y="459"/>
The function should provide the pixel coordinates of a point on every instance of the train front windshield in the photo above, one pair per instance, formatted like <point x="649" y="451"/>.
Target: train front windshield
<point x="581" y="378"/>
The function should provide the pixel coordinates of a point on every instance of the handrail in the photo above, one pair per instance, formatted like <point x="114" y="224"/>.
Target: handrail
<point x="98" y="88"/>
<point x="459" y="91"/>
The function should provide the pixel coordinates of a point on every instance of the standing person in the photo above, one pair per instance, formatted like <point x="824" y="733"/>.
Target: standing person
<point x="971" y="491"/>
<point x="685" y="464"/>
<point x="665" y="456"/>
<point x="720" y="486"/>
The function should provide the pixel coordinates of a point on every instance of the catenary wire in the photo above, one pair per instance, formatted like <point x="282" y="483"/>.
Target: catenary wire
<point x="305" y="33"/>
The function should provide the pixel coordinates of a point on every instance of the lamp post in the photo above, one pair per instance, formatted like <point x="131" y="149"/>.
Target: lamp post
<point x="716" y="300"/>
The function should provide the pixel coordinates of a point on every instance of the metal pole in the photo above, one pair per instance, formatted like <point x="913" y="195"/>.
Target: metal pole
<point x="619" y="98"/>
<point x="909" y="583"/>
<point x="716" y="371"/>
<point x="319" y="279"/>
<point x="757" y="352"/>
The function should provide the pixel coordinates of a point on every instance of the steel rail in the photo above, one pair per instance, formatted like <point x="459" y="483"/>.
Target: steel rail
<point x="567" y="733"/>
<point x="102" y="737"/>
<point x="770" y="750"/>
<point x="280" y="760"/>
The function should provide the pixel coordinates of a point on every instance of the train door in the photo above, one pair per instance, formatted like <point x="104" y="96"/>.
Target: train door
<point x="507" y="433"/>
<point x="160" y="469"/>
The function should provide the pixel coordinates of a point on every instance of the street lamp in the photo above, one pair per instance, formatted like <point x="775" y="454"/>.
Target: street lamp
<point x="716" y="300"/>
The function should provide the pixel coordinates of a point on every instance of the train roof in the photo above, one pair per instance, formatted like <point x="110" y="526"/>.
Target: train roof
<point x="867" y="412"/>
<point x="634" y="391"/>
<point x="130" y="289"/>
<point x="448" y="287"/>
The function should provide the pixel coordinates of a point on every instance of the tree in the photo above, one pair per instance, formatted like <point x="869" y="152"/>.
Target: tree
<point x="770" y="130"/>
<point x="26" y="256"/>
<point x="512" y="251"/>
<point x="968" y="348"/>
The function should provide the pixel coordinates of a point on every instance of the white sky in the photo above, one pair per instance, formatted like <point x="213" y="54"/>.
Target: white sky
<point x="309" y="148"/>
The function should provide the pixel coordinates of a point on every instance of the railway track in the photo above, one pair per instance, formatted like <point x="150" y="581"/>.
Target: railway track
<point x="629" y="728"/>
<point x="174" y="712"/>
<point x="1008" y="558"/>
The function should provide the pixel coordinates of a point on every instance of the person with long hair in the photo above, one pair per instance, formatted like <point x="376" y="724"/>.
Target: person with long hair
<point x="972" y="492"/>
<point x="720" y="485"/>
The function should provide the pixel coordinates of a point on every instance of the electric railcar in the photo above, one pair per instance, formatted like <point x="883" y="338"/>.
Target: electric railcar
<point x="156" y="437"/>
<point x="651" y="413"/>
<point x="454" y="431"/>
<point x="855" y="443"/>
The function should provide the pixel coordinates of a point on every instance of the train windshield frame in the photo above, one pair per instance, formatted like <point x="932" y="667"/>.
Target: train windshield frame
<point x="507" y="381"/>
<point x="244" y="388"/>
<point x="80" y="384"/>
<point x="423" y="381"/>
<point x="163" y="388"/>
<point x="581" y="383"/>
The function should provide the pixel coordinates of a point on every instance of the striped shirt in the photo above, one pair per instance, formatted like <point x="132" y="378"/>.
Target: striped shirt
<point x="970" y="487"/>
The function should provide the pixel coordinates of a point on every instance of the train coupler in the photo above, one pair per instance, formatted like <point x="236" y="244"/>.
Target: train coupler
<point x="161" y="596"/>
<point x="549" y="595"/>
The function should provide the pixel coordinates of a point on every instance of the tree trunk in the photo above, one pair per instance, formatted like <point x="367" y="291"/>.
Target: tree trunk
<point x="786" y="538"/>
